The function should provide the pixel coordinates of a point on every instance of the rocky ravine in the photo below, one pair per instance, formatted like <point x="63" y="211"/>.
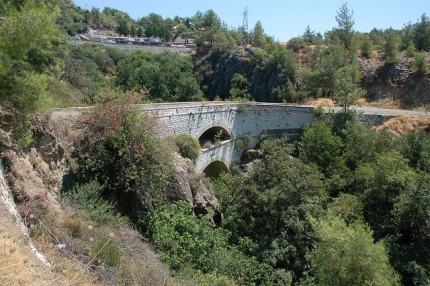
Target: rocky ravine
<point x="35" y="178"/>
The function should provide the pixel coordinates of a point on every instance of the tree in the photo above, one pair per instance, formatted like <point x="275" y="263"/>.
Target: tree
<point x="95" y="12"/>
<point x="412" y="225"/>
<point x="420" y="63"/>
<point x="346" y="90"/>
<point x="415" y="146"/>
<point x="320" y="147"/>
<point x="223" y="42"/>
<point x="345" y="21"/>
<point x="366" y="46"/>
<point x="377" y="37"/>
<point x="132" y="31"/>
<point x="258" y="37"/>
<point x="391" y="46"/>
<point x="270" y="206"/>
<point x="309" y="36"/>
<point x="139" y="32"/>
<point x="28" y="61"/>
<point x="321" y="76"/>
<point x="381" y="182"/>
<point x="239" y="87"/>
<point x="123" y="28"/>
<point x="422" y="34"/>
<point x="347" y="255"/>
<point x="188" y="241"/>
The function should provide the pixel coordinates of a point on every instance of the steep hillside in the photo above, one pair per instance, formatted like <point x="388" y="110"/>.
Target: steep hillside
<point x="395" y="85"/>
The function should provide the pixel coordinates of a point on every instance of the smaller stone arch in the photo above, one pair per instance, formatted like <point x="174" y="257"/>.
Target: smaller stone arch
<point x="214" y="168"/>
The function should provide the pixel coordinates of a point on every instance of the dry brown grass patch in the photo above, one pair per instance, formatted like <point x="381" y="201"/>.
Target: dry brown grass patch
<point x="403" y="124"/>
<point x="325" y="102"/>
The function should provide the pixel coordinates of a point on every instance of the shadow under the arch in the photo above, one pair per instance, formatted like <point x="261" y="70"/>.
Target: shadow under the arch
<point x="213" y="136"/>
<point x="215" y="168"/>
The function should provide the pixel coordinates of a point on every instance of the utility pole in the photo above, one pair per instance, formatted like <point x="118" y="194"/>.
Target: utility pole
<point x="245" y="24"/>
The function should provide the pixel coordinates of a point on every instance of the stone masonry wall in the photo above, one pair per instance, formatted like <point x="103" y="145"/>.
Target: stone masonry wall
<point x="236" y="118"/>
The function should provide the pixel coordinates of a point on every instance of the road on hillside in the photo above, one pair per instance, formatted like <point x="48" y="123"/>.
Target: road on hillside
<point x="380" y="111"/>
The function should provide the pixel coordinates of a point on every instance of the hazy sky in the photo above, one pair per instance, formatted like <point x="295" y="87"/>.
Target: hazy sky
<point x="282" y="19"/>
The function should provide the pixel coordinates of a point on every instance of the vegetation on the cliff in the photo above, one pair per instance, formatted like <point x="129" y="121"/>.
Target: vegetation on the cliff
<point x="320" y="207"/>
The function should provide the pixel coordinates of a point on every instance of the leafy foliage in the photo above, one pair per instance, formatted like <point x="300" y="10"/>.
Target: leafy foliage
<point x="189" y="147"/>
<point x="391" y="46"/>
<point x="27" y="60"/>
<point x="345" y="21"/>
<point x="270" y="207"/>
<point x="346" y="254"/>
<point x="239" y="87"/>
<point x="89" y="198"/>
<point x="186" y="241"/>
<point x="167" y="76"/>
<point x="421" y="64"/>
<point x="120" y="149"/>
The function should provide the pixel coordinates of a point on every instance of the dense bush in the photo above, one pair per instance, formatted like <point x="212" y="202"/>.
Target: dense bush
<point x="189" y="147"/>
<point x="119" y="148"/>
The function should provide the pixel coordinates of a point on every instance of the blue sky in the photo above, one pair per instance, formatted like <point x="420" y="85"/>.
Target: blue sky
<point x="282" y="19"/>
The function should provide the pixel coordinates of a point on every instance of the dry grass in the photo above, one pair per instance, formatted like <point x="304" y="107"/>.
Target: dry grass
<point x="77" y="262"/>
<point x="18" y="265"/>
<point x="325" y="102"/>
<point x="403" y="124"/>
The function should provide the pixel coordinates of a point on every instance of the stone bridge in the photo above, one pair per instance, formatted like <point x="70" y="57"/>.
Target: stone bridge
<point x="235" y="126"/>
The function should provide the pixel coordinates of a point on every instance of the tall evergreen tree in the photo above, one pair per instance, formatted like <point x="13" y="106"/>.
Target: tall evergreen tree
<point x="422" y="34"/>
<point x="345" y="21"/>
<point x="258" y="36"/>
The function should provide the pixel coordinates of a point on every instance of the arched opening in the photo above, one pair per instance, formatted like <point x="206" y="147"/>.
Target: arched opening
<point x="215" y="168"/>
<point x="213" y="136"/>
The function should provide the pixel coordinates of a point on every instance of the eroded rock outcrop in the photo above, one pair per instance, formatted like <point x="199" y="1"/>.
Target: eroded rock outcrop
<point x="189" y="186"/>
<point x="35" y="176"/>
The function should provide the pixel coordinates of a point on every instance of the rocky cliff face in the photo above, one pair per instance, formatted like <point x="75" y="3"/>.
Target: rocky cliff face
<point x="395" y="81"/>
<point x="215" y="74"/>
<point x="37" y="175"/>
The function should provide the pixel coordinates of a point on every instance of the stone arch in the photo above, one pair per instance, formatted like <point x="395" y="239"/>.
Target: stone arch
<point x="214" y="168"/>
<point x="215" y="125"/>
<point x="208" y="134"/>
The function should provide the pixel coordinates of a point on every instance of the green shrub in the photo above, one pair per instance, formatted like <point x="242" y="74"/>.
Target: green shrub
<point x="88" y="198"/>
<point x="106" y="250"/>
<point x="241" y="108"/>
<point x="296" y="44"/>
<point x="189" y="147"/>
<point x="244" y="140"/>
<point x="319" y="113"/>
<point x="421" y="64"/>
